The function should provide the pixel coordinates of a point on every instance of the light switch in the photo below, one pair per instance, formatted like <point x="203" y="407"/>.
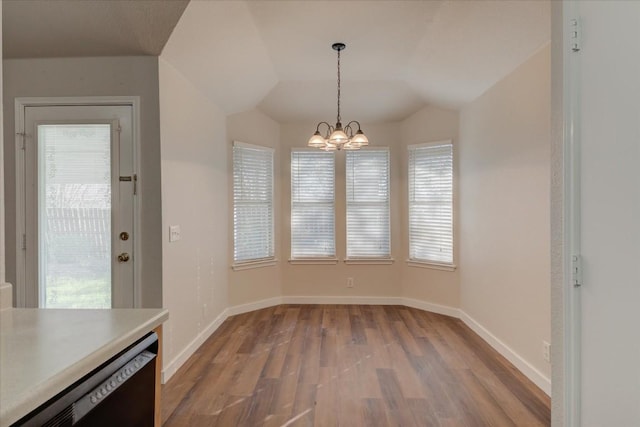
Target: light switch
<point x="174" y="233"/>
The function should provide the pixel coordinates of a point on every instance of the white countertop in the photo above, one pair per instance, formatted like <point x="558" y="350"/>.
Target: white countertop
<point x="43" y="351"/>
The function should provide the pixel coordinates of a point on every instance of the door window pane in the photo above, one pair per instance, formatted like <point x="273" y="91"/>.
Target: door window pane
<point x="74" y="208"/>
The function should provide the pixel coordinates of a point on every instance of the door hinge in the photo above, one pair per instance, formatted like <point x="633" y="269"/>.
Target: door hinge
<point x="575" y="35"/>
<point x="23" y="140"/>
<point x="24" y="242"/>
<point x="576" y="270"/>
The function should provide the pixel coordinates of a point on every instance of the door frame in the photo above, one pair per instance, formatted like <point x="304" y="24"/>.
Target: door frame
<point x="566" y="324"/>
<point x="21" y="104"/>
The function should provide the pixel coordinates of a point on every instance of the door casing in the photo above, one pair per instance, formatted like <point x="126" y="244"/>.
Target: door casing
<point x="20" y="105"/>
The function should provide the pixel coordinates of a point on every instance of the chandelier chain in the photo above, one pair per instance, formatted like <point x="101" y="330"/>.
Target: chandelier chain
<point x="339" y="86"/>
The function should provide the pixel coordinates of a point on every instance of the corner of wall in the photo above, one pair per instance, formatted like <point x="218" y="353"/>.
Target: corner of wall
<point x="504" y="200"/>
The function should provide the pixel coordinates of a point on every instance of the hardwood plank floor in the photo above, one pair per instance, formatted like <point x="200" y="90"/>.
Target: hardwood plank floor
<point x="349" y="365"/>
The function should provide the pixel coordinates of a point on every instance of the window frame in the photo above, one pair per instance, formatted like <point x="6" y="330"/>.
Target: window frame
<point x="382" y="259"/>
<point x="319" y="259"/>
<point x="426" y="263"/>
<point x="269" y="260"/>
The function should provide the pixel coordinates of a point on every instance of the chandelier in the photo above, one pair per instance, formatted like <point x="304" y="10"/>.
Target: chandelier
<point x="336" y="137"/>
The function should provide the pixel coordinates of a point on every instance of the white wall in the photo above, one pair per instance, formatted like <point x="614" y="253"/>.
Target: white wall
<point x="331" y="280"/>
<point x="435" y="286"/>
<point x="246" y="286"/>
<point x="105" y="76"/>
<point x="557" y="226"/>
<point x="5" y="288"/>
<point x="504" y="158"/>
<point x="610" y="159"/>
<point x="195" y="173"/>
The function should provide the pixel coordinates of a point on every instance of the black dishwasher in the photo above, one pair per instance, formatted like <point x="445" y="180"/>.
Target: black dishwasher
<point x="121" y="392"/>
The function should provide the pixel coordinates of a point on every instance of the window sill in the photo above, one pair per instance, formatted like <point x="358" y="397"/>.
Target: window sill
<point x="254" y="264"/>
<point x="369" y="261"/>
<point x="316" y="261"/>
<point x="431" y="265"/>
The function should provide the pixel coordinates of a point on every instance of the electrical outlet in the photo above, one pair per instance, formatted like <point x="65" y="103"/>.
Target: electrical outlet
<point x="546" y="351"/>
<point x="174" y="233"/>
<point x="350" y="282"/>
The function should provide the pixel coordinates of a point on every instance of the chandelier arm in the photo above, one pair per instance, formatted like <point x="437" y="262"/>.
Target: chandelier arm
<point x="329" y="128"/>
<point x="318" y="126"/>
<point x="354" y="121"/>
<point x="348" y="130"/>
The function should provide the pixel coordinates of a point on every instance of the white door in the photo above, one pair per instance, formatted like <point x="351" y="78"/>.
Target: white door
<point x="608" y="85"/>
<point x="79" y="184"/>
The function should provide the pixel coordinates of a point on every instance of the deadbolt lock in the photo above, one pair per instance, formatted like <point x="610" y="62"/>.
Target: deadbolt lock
<point x="123" y="257"/>
<point x="124" y="236"/>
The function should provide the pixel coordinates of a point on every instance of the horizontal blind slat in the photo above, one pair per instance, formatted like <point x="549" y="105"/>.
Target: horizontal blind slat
<point x="431" y="203"/>
<point x="368" y="204"/>
<point x="253" y="233"/>
<point x="312" y="204"/>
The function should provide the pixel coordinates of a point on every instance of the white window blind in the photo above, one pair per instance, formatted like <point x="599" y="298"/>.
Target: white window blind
<point x="367" y="178"/>
<point x="252" y="203"/>
<point x="431" y="202"/>
<point x="312" y="204"/>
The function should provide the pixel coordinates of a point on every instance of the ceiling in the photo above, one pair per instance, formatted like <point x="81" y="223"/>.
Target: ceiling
<point x="277" y="56"/>
<point x="68" y="28"/>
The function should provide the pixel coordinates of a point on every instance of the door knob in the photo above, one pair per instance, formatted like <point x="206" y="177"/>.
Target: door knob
<point x="123" y="257"/>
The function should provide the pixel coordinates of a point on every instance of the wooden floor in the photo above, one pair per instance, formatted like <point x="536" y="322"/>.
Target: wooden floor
<point x="327" y="365"/>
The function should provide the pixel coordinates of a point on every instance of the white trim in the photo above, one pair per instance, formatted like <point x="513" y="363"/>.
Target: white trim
<point x="341" y="300"/>
<point x="248" y="265"/>
<point x="519" y="362"/>
<point x="172" y="367"/>
<point x="372" y="148"/>
<point x="537" y="377"/>
<point x="571" y="239"/>
<point x="368" y="261"/>
<point x="137" y="201"/>
<point x="310" y="261"/>
<point x="241" y="144"/>
<point x="253" y="306"/>
<point x="21" y="268"/>
<point x="430" y="144"/>
<point x="431" y="265"/>
<point x="445" y="310"/>
<point x="21" y="103"/>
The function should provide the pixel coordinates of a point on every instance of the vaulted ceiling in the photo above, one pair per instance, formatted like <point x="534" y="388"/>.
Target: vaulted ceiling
<point x="277" y="56"/>
<point x="67" y="28"/>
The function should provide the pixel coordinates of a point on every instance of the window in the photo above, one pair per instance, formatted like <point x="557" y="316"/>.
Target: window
<point x="312" y="204"/>
<point x="252" y="203"/>
<point x="367" y="176"/>
<point x="431" y="203"/>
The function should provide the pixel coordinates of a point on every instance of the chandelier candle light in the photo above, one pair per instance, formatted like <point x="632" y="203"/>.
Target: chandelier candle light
<point x="337" y="137"/>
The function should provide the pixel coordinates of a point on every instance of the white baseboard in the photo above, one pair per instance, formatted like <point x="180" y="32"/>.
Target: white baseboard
<point x="172" y="367"/>
<point x="537" y="377"/>
<point x="341" y="300"/>
<point x="253" y="306"/>
<point x="431" y="307"/>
